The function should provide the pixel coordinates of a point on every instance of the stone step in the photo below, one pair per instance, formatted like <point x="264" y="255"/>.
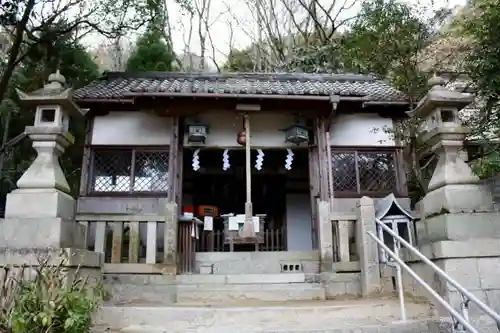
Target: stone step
<point x="319" y="316"/>
<point x="241" y="278"/>
<point x="230" y="288"/>
<point x="230" y="293"/>
<point x="148" y="290"/>
<point x="413" y="326"/>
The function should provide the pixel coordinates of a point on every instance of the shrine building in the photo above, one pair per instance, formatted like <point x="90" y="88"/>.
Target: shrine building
<point x="206" y="173"/>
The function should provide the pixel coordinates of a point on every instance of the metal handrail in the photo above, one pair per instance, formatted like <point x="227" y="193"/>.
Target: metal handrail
<point x="467" y="296"/>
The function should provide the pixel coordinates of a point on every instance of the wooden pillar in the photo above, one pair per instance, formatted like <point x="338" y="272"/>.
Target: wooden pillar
<point x="173" y="159"/>
<point x="86" y="171"/>
<point x="320" y="135"/>
<point x="323" y="226"/>
<point x="171" y="209"/>
<point x="180" y="164"/>
<point x="314" y="193"/>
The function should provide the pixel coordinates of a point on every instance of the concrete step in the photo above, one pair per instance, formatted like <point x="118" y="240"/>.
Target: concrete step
<point x="412" y="326"/>
<point x="209" y="289"/>
<point x="319" y="316"/>
<point x="140" y="289"/>
<point x="234" y="293"/>
<point x="240" y="278"/>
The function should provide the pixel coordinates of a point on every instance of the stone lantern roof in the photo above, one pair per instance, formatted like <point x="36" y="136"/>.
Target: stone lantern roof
<point x="54" y="92"/>
<point x="440" y="96"/>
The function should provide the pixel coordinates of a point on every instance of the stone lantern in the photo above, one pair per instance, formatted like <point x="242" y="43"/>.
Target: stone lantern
<point x="50" y="135"/>
<point x="40" y="212"/>
<point x="458" y="229"/>
<point x="453" y="187"/>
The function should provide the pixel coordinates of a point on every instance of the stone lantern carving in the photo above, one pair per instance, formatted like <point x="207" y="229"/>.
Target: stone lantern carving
<point x="453" y="187"/>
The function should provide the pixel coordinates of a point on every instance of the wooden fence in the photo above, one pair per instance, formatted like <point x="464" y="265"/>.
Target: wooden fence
<point x="213" y="241"/>
<point x="134" y="243"/>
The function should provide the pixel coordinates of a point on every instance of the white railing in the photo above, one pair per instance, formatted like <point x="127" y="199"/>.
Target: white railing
<point x="461" y="321"/>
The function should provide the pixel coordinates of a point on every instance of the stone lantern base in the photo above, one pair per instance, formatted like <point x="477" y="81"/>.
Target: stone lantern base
<point x="25" y="238"/>
<point x="39" y="225"/>
<point x="464" y="241"/>
<point x="457" y="198"/>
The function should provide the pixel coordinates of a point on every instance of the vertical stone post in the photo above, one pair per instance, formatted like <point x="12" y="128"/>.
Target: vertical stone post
<point x="325" y="237"/>
<point x="367" y="248"/>
<point x="343" y="240"/>
<point x="170" y="238"/>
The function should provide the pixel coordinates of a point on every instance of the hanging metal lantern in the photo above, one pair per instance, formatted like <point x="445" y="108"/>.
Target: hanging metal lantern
<point x="296" y="134"/>
<point x="197" y="133"/>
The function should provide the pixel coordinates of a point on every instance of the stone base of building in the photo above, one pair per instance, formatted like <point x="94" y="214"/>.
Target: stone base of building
<point x="236" y="277"/>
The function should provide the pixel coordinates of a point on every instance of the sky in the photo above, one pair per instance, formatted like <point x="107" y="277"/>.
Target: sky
<point x="232" y="24"/>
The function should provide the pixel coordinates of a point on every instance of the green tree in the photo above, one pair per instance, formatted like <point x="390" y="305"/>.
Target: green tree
<point x="385" y="39"/>
<point x="239" y="61"/>
<point x="481" y="25"/>
<point x="484" y="67"/>
<point x="151" y="53"/>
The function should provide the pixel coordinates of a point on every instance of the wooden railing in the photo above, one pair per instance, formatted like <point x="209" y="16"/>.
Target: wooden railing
<point x="127" y="241"/>
<point x="135" y="243"/>
<point x="344" y="237"/>
<point x="213" y="241"/>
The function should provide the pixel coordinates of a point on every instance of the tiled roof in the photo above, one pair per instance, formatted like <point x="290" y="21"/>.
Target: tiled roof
<point x="114" y="85"/>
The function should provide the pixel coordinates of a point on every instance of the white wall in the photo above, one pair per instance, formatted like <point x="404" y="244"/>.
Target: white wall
<point x="265" y="129"/>
<point x="145" y="128"/>
<point x="361" y="129"/>
<point x="131" y="128"/>
<point x="298" y="219"/>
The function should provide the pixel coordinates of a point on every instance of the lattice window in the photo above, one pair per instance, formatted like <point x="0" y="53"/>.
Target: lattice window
<point x="364" y="171"/>
<point x="377" y="172"/>
<point x="344" y="171"/>
<point x="129" y="171"/>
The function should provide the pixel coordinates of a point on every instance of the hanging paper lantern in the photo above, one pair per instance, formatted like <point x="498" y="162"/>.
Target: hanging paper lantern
<point x="242" y="138"/>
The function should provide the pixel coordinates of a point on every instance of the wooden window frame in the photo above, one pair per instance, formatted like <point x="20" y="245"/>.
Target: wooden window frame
<point x="400" y="189"/>
<point x="133" y="150"/>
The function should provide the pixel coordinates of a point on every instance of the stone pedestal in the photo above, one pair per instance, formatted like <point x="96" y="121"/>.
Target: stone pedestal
<point x="39" y="215"/>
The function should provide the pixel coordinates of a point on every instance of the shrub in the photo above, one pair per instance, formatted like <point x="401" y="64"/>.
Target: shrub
<point x="50" y="302"/>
